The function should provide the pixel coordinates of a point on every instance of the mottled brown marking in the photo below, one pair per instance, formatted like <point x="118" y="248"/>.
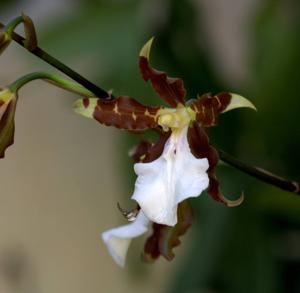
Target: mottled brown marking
<point x="224" y="99"/>
<point x="156" y="150"/>
<point x="126" y="113"/>
<point x="208" y="108"/>
<point x="219" y="102"/>
<point x="147" y="152"/>
<point x="169" y="88"/>
<point x="140" y="150"/>
<point x="116" y="110"/>
<point x="134" y="116"/>
<point x="86" y="102"/>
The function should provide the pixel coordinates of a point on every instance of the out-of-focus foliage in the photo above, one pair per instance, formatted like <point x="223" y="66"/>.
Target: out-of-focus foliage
<point x="5" y="3"/>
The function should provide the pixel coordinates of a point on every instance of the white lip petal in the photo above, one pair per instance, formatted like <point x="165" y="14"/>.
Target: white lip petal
<point x="118" y="239"/>
<point x="168" y="180"/>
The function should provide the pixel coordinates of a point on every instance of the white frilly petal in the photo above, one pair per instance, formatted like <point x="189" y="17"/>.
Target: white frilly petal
<point x="118" y="239"/>
<point x="168" y="180"/>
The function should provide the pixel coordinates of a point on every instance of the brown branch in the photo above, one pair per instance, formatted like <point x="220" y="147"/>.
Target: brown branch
<point x="261" y="174"/>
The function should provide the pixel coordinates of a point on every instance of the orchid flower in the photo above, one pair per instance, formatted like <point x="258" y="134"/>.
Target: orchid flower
<point x="179" y="166"/>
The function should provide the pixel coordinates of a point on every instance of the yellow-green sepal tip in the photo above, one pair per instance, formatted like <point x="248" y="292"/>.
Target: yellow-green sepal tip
<point x="145" y="52"/>
<point x="238" y="101"/>
<point x="86" y="111"/>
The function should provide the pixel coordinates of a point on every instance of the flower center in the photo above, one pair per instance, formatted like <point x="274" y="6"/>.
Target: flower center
<point x="174" y="118"/>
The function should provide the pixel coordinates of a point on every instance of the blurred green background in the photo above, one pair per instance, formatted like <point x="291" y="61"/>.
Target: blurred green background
<point x="64" y="175"/>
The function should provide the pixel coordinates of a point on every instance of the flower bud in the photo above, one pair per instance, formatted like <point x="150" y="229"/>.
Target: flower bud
<point x="8" y="102"/>
<point x="30" y="42"/>
<point x="5" y="40"/>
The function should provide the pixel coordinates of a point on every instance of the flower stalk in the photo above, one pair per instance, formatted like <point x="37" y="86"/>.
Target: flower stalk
<point x="52" y="78"/>
<point x="94" y="90"/>
<point x="40" y="53"/>
<point x="11" y="26"/>
<point x="9" y="99"/>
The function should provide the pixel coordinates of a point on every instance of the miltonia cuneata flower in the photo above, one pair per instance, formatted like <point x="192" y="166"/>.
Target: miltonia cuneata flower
<point x="182" y="163"/>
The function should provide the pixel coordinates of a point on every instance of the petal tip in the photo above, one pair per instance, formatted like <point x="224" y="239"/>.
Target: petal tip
<point x="85" y="107"/>
<point x="238" y="101"/>
<point x="145" y="52"/>
<point x="234" y="203"/>
<point x="117" y="256"/>
<point x="78" y="106"/>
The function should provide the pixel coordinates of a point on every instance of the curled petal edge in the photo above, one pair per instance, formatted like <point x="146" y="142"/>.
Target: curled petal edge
<point x="232" y="203"/>
<point x="201" y="148"/>
<point x="30" y="42"/>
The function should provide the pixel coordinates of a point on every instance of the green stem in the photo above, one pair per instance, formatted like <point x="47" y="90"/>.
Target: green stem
<point x="54" y="79"/>
<point x="96" y="90"/>
<point x="11" y="26"/>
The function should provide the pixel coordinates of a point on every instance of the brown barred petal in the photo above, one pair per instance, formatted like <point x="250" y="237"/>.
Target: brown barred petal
<point x="208" y="107"/>
<point x="165" y="238"/>
<point x="139" y="152"/>
<point x="146" y="151"/>
<point x="169" y="89"/>
<point x="156" y="150"/>
<point x="200" y="147"/>
<point x="122" y="112"/>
